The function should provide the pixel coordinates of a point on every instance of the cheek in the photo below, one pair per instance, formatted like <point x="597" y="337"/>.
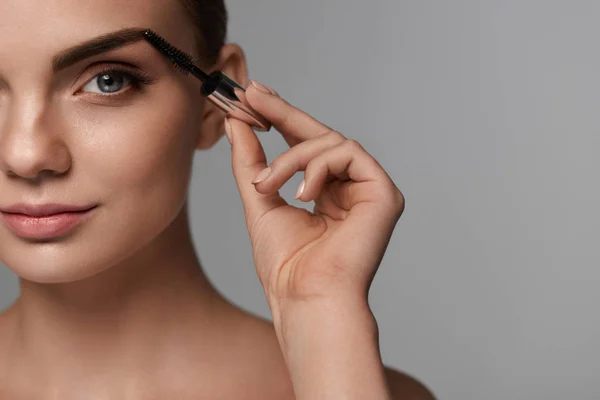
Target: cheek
<point x="136" y="162"/>
<point x="140" y="151"/>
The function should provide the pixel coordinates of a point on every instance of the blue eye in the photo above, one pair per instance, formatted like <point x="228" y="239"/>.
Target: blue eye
<point x="109" y="82"/>
<point x="116" y="81"/>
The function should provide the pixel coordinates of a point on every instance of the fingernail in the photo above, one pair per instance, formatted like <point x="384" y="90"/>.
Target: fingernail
<point x="300" y="189"/>
<point x="263" y="88"/>
<point x="263" y="175"/>
<point x="228" y="131"/>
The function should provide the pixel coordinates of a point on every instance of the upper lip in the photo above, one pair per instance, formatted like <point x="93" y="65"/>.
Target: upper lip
<point x="43" y="210"/>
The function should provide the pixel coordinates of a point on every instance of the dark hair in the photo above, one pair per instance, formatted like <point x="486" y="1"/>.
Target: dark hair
<point x="210" y="18"/>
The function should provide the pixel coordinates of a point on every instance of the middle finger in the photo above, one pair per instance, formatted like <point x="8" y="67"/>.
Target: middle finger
<point x="295" y="159"/>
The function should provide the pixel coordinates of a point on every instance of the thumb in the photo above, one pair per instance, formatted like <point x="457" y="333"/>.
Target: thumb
<point x="248" y="159"/>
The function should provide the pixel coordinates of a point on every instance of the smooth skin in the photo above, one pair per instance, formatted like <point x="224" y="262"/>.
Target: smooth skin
<point x="316" y="267"/>
<point x="120" y="308"/>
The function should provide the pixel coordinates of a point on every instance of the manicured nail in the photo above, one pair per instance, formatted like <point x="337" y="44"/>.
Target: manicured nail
<point x="263" y="88"/>
<point x="228" y="131"/>
<point x="300" y="189"/>
<point x="263" y="175"/>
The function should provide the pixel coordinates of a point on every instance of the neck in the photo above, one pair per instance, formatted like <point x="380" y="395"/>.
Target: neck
<point x="130" y="315"/>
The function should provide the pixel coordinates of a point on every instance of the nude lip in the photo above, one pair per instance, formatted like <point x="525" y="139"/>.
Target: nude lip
<point x="45" y="226"/>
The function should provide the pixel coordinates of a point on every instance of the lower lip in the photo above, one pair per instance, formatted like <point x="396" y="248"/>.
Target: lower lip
<point x="46" y="227"/>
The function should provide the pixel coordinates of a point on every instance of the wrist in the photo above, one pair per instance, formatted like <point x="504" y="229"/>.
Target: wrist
<point x="331" y="312"/>
<point x="331" y="348"/>
<point x="324" y="326"/>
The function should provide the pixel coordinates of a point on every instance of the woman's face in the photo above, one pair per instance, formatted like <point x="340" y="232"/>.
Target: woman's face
<point x="83" y="135"/>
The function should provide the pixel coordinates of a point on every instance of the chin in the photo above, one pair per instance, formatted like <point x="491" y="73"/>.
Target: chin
<point x="52" y="266"/>
<point x="72" y="259"/>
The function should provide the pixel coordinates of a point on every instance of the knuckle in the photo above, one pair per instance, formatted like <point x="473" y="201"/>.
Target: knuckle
<point x="399" y="200"/>
<point x="285" y="161"/>
<point x="353" y="145"/>
<point x="337" y="136"/>
<point x="315" y="164"/>
<point x="393" y="199"/>
<point x="317" y="168"/>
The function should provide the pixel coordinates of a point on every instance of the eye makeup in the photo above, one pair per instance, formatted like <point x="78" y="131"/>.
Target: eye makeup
<point x="128" y="80"/>
<point x="135" y="75"/>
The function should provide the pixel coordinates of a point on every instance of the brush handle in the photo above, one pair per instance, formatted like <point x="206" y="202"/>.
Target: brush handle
<point x="228" y="95"/>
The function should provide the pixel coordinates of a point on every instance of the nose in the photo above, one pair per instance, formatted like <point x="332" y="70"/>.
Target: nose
<point x="30" y="145"/>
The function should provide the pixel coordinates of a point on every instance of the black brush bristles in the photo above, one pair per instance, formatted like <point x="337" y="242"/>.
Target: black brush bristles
<point x="181" y="60"/>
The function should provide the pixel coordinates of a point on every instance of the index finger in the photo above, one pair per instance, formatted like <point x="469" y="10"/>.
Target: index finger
<point x="294" y="124"/>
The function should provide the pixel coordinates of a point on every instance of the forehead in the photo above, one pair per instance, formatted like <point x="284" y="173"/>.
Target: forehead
<point x="34" y="29"/>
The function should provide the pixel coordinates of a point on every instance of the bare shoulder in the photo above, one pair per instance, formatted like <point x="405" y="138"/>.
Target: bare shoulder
<point x="404" y="387"/>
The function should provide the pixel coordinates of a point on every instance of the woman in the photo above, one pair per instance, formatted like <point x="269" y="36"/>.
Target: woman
<point x="114" y="304"/>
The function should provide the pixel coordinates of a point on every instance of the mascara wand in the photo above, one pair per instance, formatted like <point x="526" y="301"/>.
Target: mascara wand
<point x="223" y="91"/>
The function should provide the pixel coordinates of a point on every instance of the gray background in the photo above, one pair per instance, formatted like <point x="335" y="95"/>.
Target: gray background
<point x="486" y="116"/>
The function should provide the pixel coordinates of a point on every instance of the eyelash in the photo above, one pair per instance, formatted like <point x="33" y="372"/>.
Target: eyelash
<point x="136" y="77"/>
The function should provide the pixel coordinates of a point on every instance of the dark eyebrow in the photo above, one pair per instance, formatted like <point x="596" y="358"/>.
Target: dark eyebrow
<point x="97" y="45"/>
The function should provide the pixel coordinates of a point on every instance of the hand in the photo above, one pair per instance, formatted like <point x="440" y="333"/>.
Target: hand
<point x="336" y="249"/>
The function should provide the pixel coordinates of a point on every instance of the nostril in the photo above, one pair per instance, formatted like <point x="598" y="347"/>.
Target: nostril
<point x="38" y="177"/>
<point x="44" y="173"/>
